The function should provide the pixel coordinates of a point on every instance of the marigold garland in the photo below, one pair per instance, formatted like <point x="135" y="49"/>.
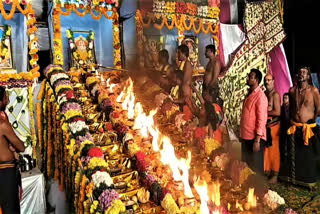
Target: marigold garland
<point x="177" y="22"/>
<point x="57" y="41"/>
<point x="43" y="86"/>
<point x="49" y="143"/>
<point x="39" y="125"/>
<point x="56" y="154"/>
<point x="33" y="132"/>
<point x="82" y="193"/>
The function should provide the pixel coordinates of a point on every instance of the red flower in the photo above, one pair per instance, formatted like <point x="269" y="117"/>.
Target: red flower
<point x="187" y="113"/>
<point x="164" y="193"/>
<point x="200" y="133"/>
<point x="140" y="156"/>
<point x="95" y="152"/>
<point x="115" y="115"/>
<point x="109" y="127"/>
<point x="79" y="119"/>
<point x="70" y="94"/>
<point x="81" y="6"/>
<point x="142" y="166"/>
<point x="7" y="1"/>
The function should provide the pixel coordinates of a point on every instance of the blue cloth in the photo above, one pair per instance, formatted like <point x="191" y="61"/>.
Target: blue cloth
<point x="19" y="39"/>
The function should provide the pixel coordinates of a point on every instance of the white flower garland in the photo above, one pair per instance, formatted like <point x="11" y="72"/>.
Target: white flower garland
<point x="101" y="177"/>
<point x="272" y="199"/>
<point x="77" y="126"/>
<point x="57" y="76"/>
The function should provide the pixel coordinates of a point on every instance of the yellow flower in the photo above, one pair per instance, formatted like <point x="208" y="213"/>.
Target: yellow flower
<point x="169" y="204"/>
<point x="8" y="33"/>
<point x="91" y="80"/>
<point x="116" y="207"/>
<point x="97" y="162"/>
<point x="72" y="113"/>
<point x="211" y="145"/>
<point x="65" y="127"/>
<point x="68" y="34"/>
<point x="63" y="87"/>
<point x="71" y="147"/>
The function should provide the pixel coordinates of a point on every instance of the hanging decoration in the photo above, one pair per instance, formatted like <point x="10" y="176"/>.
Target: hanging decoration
<point x="264" y="32"/>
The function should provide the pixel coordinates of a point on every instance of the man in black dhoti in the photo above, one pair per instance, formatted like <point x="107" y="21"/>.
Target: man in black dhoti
<point x="299" y="163"/>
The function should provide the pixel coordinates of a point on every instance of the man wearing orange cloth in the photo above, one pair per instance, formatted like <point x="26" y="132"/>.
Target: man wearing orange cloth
<point x="301" y="159"/>
<point x="272" y="153"/>
<point x="253" y="123"/>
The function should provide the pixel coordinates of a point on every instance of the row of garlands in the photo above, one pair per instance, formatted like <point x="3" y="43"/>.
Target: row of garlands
<point x="32" y="44"/>
<point x="96" y="14"/>
<point x="88" y="4"/>
<point x="189" y="8"/>
<point x="85" y="169"/>
<point x="71" y="156"/>
<point x="181" y="22"/>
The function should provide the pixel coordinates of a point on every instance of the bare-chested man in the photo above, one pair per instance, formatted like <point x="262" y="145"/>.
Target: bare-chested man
<point x="210" y="86"/>
<point x="9" y="197"/>
<point x="303" y="143"/>
<point x="186" y="91"/>
<point x="272" y="153"/>
<point x="165" y="73"/>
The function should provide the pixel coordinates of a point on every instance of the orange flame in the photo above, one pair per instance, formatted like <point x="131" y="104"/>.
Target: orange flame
<point x="251" y="199"/>
<point x="169" y="158"/>
<point x="131" y="106"/>
<point x="184" y="166"/>
<point x="108" y="81"/>
<point x="202" y="190"/>
<point x="119" y="98"/>
<point x="111" y="87"/>
<point x="239" y="206"/>
<point x="155" y="137"/>
<point x="215" y="194"/>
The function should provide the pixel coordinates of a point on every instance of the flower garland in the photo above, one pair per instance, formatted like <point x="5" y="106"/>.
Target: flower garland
<point x="33" y="42"/>
<point x="116" y="41"/>
<point x="49" y="143"/>
<point x="180" y="22"/>
<point x="39" y="125"/>
<point x="33" y="132"/>
<point x="89" y="4"/>
<point x="57" y="41"/>
<point x="189" y="8"/>
<point x="55" y="137"/>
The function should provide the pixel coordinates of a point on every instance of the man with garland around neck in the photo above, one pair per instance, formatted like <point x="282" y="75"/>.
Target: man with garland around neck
<point x="303" y="141"/>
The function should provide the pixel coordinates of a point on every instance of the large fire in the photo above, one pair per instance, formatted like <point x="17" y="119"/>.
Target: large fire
<point x="180" y="167"/>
